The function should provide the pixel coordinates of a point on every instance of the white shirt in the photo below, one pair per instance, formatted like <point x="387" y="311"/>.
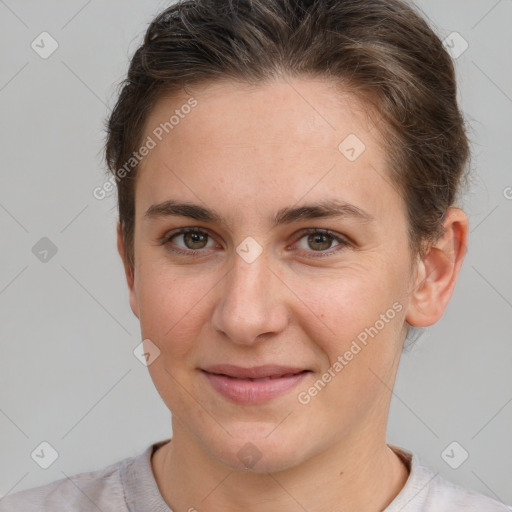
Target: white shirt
<point x="130" y="486"/>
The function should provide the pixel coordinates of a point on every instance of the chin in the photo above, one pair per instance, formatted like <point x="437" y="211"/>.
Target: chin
<point x="257" y="453"/>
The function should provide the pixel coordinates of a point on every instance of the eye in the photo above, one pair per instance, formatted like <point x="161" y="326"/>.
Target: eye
<point x="320" y="241"/>
<point x="188" y="240"/>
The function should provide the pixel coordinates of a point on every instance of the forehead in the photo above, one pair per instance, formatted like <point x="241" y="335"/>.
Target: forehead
<point x="309" y="112"/>
<point x="278" y="141"/>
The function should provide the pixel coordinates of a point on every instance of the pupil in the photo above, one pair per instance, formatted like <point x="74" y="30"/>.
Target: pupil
<point x="322" y="240"/>
<point x="195" y="238"/>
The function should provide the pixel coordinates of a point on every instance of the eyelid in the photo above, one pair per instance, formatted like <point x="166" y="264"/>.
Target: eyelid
<point x="185" y="229"/>
<point x="343" y="241"/>
<point x="165" y="240"/>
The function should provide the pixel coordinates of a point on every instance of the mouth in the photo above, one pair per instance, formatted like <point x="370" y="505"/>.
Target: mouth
<point x="253" y="385"/>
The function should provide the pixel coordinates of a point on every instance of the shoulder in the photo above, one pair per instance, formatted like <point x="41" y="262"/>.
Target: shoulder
<point x="95" y="490"/>
<point x="444" y="495"/>
<point x="426" y="491"/>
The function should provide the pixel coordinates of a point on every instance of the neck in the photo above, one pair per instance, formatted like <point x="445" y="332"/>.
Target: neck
<point x="354" y="475"/>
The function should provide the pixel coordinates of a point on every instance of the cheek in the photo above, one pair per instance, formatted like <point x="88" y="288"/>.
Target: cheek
<point x="359" y="336"/>
<point x="172" y="313"/>
<point x="355" y="319"/>
<point x="171" y="309"/>
<point x="345" y="302"/>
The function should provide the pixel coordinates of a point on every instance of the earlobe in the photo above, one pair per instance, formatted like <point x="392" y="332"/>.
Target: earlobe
<point x="438" y="271"/>
<point x="129" y="272"/>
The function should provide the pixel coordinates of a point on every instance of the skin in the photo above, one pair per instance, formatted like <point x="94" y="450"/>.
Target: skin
<point x="247" y="152"/>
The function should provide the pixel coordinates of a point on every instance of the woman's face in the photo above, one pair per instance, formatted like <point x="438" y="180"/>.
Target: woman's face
<point x="253" y="286"/>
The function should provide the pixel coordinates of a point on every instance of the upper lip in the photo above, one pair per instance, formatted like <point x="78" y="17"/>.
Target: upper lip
<point x="254" y="372"/>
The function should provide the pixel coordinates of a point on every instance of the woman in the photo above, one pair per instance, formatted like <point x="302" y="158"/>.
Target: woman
<point x="287" y="177"/>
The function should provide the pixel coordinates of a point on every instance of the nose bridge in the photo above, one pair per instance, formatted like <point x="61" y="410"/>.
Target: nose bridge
<point x="250" y="304"/>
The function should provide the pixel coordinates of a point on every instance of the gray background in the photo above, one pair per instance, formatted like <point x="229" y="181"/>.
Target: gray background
<point x="68" y="375"/>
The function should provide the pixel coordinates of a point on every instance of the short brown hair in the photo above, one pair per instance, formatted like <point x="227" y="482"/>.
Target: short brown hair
<point x="383" y="50"/>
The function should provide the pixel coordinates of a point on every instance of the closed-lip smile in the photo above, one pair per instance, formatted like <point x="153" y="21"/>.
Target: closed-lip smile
<point x="254" y="384"/>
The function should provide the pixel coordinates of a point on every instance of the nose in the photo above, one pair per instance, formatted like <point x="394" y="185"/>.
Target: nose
<point x="252" y="302"/>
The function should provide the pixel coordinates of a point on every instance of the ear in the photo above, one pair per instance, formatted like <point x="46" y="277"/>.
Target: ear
<point x="438" y="271"/>
<point x="129" y="272"/>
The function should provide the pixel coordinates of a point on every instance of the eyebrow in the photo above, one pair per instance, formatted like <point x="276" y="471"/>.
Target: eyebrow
<point x="324" y="209"/>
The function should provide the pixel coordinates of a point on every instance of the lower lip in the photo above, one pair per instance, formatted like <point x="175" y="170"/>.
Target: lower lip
<point x="252" y="392"/>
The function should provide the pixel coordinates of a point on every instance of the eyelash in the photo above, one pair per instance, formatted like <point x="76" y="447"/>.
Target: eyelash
<point x="342" y="241"/>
